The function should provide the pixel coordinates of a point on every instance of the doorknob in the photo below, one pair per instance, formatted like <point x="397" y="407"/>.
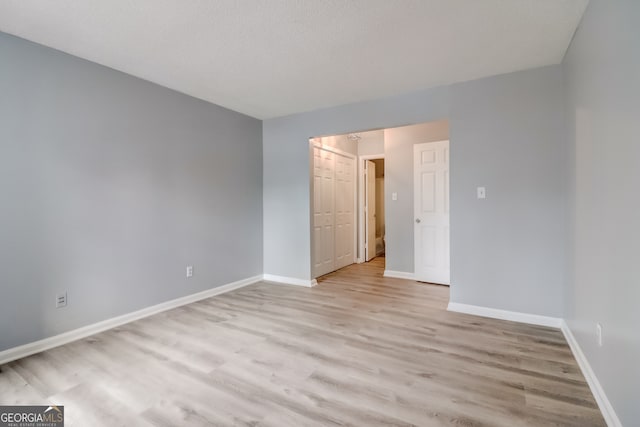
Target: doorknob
<point x="417" y="220"/>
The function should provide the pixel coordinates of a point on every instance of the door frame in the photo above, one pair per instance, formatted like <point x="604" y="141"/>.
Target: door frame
<point x="361" y="202"/>
<point x="315" y="143"/>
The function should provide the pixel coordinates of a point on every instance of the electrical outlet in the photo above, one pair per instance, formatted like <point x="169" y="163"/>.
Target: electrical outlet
<point x="190" y="271"/>
<point x="394" y="196"/>
<point x="599" y="333"/>
<point x="61" y="300"/>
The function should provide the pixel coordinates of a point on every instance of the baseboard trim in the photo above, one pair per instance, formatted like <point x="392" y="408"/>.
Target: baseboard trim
<point x="605" y="406"/>
<point x="514" y="316"/>
<point x="85" y="331"/>
<point x="399" y="274"/>
<point x="289" y="280"/>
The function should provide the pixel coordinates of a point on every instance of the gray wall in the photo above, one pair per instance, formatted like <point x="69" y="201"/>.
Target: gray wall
<point x="508" y="251"/>
<point x="398" y="152"/>
<point x="602" y="77"/>
<point x="109" y="187"/>
<point x="508" y="135"/>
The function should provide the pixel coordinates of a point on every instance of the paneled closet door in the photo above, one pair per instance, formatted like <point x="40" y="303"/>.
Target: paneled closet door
<point x="323" y="211"/>
<point x="345" y="211"/>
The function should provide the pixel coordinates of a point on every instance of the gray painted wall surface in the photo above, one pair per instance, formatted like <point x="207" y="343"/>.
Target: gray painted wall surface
<point x="398" y="148"/>
<point x="602" y="77"/>
<point x="508" y="251"/>
<point x="109" y="187"/>
<point x="518" y="119"/>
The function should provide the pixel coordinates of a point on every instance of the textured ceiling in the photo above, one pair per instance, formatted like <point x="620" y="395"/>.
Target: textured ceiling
<point x="269" y="58"/>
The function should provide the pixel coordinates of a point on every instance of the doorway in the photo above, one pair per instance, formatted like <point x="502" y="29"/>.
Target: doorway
<point x="371" y="208"/>
<point x="382" y="222"/>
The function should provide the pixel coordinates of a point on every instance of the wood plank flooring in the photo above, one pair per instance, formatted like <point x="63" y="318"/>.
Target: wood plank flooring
<point x="358" y="350"/>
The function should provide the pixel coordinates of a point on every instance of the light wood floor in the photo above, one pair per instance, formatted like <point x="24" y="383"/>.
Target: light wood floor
<point x="358" y="349"/>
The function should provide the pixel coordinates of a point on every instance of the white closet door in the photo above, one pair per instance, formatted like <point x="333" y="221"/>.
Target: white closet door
<point x="324" y="211"/>
<point x="334" y="214"/>
<point x="345" y="211"/>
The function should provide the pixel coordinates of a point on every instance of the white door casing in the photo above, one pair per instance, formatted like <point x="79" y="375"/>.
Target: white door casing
<point x="362" y="203"/>
<point x="370" y="209"/>
<point x="431" y="211"/>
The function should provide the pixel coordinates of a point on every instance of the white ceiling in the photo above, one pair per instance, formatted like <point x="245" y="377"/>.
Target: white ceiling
<point x="269" y="58"/>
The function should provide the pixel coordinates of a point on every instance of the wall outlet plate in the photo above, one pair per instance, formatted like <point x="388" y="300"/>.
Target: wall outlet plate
<point x="61" y="300"/>
<point x="190" y="271"/>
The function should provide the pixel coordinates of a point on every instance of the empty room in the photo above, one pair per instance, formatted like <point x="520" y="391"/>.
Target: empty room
<point x="319" y="213"/>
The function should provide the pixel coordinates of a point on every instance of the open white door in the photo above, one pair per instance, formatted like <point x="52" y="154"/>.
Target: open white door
<point x="370" y="209"/>
<point x="431" y="211"/>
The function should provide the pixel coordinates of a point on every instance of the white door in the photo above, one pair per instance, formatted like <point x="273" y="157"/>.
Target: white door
<point x="370" y="210"/>
<point x="431" y="211"/>
<point x="323" y="211"/>
<point x="345" y="211"/>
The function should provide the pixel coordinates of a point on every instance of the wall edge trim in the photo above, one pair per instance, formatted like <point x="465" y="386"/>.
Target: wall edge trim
<point x="609" y="414"/>
<point x="284" y="280"/>
<point x="514" y="316"/>
<point x="399" y="274"/>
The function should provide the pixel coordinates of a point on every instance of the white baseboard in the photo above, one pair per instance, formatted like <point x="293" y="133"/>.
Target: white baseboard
<point x="85" y="331"/>
<point x="605" y="406"/>
<point x="514" y="316"/>
<point x="399" y="274"/>
<point x="289" y="280"/>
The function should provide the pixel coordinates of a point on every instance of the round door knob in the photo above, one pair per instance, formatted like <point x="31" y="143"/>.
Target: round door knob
<point x="417" y="220"/>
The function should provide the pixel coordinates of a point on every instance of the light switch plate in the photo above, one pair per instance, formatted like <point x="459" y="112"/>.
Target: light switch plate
<point x="482" y="193"/>
<point x="394" y="196"/>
